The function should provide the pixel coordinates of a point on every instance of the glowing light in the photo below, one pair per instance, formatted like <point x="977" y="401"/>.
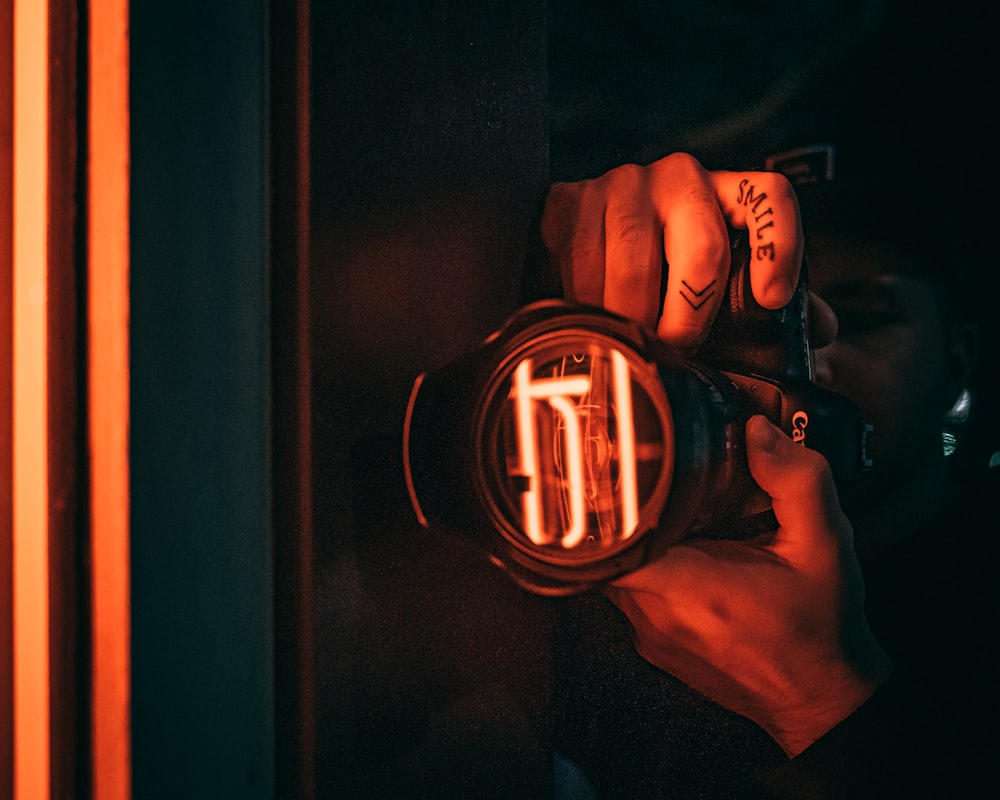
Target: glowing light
<point x="108" y="396"/>
<point x="30" y="428"/>
<point x="574" y="476"/>
<point x="557" y="391"/>
<point x="528" y="452"/>
<point x="626" y="444"/>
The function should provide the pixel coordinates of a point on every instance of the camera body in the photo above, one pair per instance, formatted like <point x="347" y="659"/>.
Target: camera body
<point x="574" y="446"/>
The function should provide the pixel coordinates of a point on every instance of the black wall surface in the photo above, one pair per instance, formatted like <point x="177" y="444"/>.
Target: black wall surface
<point x="429" y="162"/>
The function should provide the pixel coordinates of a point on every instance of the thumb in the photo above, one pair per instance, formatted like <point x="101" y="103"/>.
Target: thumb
<point x="799" y="482"/>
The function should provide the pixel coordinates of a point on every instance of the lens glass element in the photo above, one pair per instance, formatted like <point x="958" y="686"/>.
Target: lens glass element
<point x="575" y="446"/>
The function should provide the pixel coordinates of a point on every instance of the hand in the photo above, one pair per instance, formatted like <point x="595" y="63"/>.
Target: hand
<point x="774" y="630"/>
<point x="611" y="238"/>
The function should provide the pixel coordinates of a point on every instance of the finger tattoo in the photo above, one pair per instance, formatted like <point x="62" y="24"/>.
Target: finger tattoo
<point x="747" y="196"/>
<point x="697" y="297"/>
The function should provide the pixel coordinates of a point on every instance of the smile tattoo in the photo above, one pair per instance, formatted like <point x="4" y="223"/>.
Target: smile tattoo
<point x="764" y="246"/>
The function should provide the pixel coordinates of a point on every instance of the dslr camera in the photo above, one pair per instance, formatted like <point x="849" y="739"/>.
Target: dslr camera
<point x="574" y="446"/>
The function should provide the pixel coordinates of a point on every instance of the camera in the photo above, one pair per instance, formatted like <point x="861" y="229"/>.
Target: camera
<point x="574" y="446"/>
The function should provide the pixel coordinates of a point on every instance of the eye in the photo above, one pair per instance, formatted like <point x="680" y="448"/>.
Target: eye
<point x="855" y="323"/>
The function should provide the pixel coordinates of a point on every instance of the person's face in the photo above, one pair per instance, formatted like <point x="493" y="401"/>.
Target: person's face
<point x="890" y="356"/>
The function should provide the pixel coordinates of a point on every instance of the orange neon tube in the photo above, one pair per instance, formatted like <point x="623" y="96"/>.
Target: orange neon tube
<point x="108" y="395"/>
<point x="30" y="412"/>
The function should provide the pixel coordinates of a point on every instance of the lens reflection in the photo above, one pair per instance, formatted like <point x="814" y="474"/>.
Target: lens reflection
<point x="582" y="446"/>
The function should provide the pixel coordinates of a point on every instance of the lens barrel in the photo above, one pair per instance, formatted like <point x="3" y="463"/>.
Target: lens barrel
<point x="573" y="446"/>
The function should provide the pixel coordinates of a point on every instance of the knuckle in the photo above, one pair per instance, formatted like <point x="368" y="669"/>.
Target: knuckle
<point x="777" y="184"/>
<point x="629" y="222"/>
<point x="625" y="186"/>
<point x="702" y="202"/>
<point x="626" y="177"/>
<point x="582" y="248"/>
<point x="681" y="164"/>
<point x="814" y="469"/>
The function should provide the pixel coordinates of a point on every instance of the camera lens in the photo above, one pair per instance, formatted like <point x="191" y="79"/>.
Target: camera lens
<point x="575" y="444"/>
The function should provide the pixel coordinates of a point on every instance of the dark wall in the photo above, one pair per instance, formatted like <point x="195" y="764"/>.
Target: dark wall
<point x="429" y="161"/>
<point x="202" y="648"/>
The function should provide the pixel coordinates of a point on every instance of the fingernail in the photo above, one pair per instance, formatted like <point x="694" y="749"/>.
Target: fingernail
<point x="762" y="434"/>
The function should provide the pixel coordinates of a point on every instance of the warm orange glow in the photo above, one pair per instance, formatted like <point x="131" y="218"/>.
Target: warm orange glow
<point x="528" y="453"/>
<point x="573" y="470"/>
<point x="108" y="395"/>
<point x="626" y="443"/>
<point x="557" y="391"/>
<point x="30" y="445"/>
<point x="526" y="390"/>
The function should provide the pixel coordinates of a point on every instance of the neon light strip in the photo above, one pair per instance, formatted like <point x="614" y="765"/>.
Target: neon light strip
<point x="526" y="446"/>
<point x="108" y="395"/>
<point x="555" y="391"/>
<point x="574" y="463"/>
<point x="550" y="387"/>
<point x="626" y="443"/>
<point x="30" y="429"/>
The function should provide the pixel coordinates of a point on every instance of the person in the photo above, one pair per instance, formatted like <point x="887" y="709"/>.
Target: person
<point x="440" y="665"/>
<point x="847" y="655"/>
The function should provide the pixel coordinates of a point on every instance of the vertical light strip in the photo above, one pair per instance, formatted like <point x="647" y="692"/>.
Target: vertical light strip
<point x="108" y="394"/>
<point x="625" y="428"/>
<point x="31" y="568"/>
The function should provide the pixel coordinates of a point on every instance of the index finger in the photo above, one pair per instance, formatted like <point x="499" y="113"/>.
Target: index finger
<point x="765" y="205"/>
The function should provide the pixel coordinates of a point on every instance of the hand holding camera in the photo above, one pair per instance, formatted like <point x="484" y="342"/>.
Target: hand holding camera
<point x="654" y="447"/>
<point x="771" y="627"/>
<point x="610" y="237"/>
<point x="576" y="445"/>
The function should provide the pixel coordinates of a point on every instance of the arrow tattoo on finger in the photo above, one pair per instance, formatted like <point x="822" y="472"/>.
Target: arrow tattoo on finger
<point x="697" y="294"/>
